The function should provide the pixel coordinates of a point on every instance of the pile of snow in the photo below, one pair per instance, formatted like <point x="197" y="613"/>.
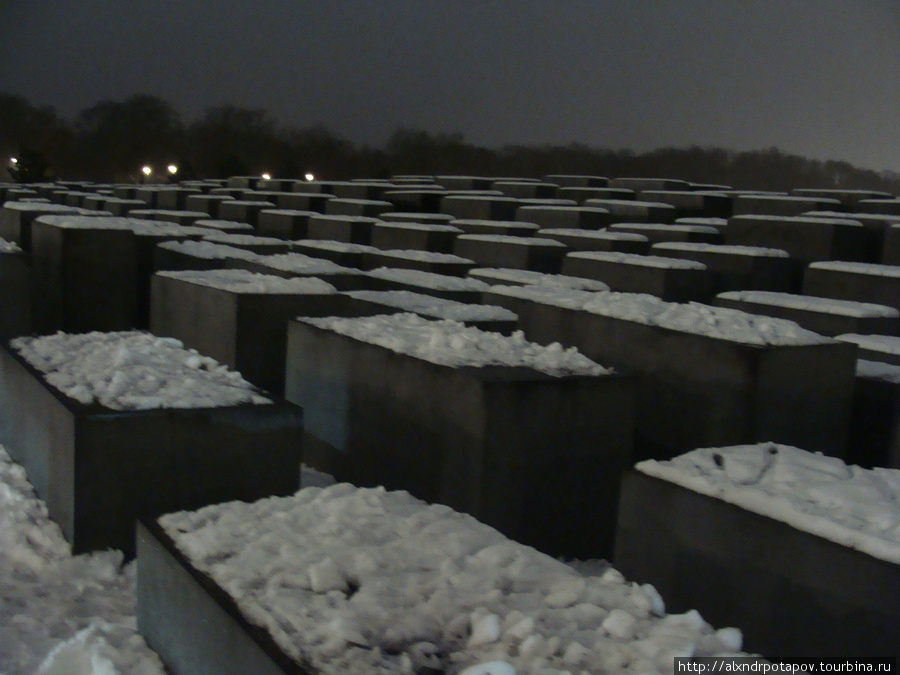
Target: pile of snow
<point x="693" y="317"/>
<point x="851" y="308"/>
<point x="425" y="256"/>
<point x="208" y="250"/>
<point x="855" y="507"/>
<point x="297" y="263"/>
<point x="508" y="239"/>
<point x="158" y="228"/>
<point x="638" y="260"/>
<point x="428" y="305"/>
<point x="243" y="281"/>
<point x="9" y="247"/>
<point x="756" y="251"/>
<point x="440" y="282"/>
<point x="230" y="239"/>
<point x="889" y="271"/>
<point x="61" y="614"/>
<point x="134" y="371"/>
<point x="529" y="278"/>
<point x="216" y="224"/>
<point x="368" y="581"/>
<point x="451" y="343"/>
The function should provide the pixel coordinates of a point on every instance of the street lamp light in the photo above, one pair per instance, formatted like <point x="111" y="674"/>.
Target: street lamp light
<point x="13" y="160"/>
<point x="172" y="169"/>
<point x="267" y="176"/>
<point x="146" y="170"/>
<point x="309" y="177"/>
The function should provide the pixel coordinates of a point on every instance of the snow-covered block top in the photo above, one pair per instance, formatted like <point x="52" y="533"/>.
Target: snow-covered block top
<point x="336" y="246"/>
<point x="181" y="213"/>
<point x="718" y="223"/>
<point x="852" y="506"/>
<point x="798" y="220"/>
<point x="134" y="371"/>
<point x="418" y="227"/>
<point x="859" y="310"/>
<point x="508" y="239"/>
<point x="725" y="249"/>
<point x="663" y="227"/>
<point x="35" y="206"/>
<point x="638" y="260"/>
<point x="438" y="282"/>
<point x="412" y="217"/>
<point x="337" y="218"/>
<point x="499" y="224"/>
<point x="208" y="250"/>
<point x="565" y="208"/>
<point x="426" y="256"/>
<point x="303" y="264"/>
<point x="364" y="202"/>
<point x="558" y="296"/>
<point x="216" y="224"/>
<point x="693" y="317"/>
<point x="529" y="278"/>
<point x="620" y="206"/>
<point x="163" y="229"/>
<point x="291" y="212"/>
<point x="360" y="581"/>
<point x="253" y="204"/>
<point x="876" y="370"/>
<point x="9" y="247"/>
<point x="862" y="217"/>
<point x="886" y="344"/>
<point x="439" y="308"/>
<point x="872" y="269"/>
<point x="242" y="281"/>
<point x="792" y="198"/>
<point x="603" y="235"/>
<point x="453" y="344"/>
<point x="242" y="239"/>
<point x="77" y="221"/>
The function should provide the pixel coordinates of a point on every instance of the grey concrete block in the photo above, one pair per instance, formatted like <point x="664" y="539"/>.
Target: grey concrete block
<point x="862" y="282"/>
<point x="15" y="291"/>
<point x="369" y="208"/>
<point x="885" y="206"/>
<point x="641" y="184"/>
<point x="367" y="406"/>
<point x="508" y="277"/>
<point x="779" y="205"/>
<point x="224" y="225"/>
<point x="576" y="180"/>
<point x="658" y="232"/>
<point x="582" y="194"/>
<point x="350" y="229"/>
<point x="362" y="189"/>
<point x="790" y="592"/>
<point x="176" y="199"/>
<point x="16" y="219"/>
<point x="338" y="252"/>
<point x="588" y="240"/>
<point x="579" y="217"/>
<point x="479" y="207"/>
<point x="416" y="236"/>
<point x="877" y="226"/>
<point x="420" y="218"/>
<point x="849" y="199"/>
<point x="464" y="182"/>
<point x="528" y="253"/>
<point x="692" y="202"/>
<point x="633" y="211"/>
<point x="424" y="261"/>
<point x="427" y="283"/>
<point x="207" y="203"/>
<point x="284" y="223"/>
<point x="671" y="279"/>
<point x="875" y="422"/>
<point x="512" y="228"/>
<point x="880" y="348"/>
<point x="303" y="201"/>
<point x="891" y="254"/>
<point x="99" y="469"/>
<point x="244" y="211"/>
<point x="248" y="242"/>
<point x="736" y="268"/>
<point x="293" y="265"/>
<point x="416" y="200"/>
<point x="519" y="189"/>
<point x="174" y="255"/>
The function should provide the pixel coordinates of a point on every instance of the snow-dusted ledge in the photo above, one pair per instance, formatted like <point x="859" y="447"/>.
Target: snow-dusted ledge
<point x="9" y="247"/>
<point x="134" y="371"/>
<point x="367" y="581"/>
<point x="855" y="507"/>
<point x="243" y="281"/>
<point x="851" y="308"/>
<point x="453" y="344"/>
<point x="437" y="307"/>
<point x="528" y="278"/>
<point x="428" y="280"/>
<point x="208" y="250"/>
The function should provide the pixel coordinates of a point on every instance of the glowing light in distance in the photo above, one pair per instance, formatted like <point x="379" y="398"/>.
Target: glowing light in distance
<point x="14" y="160"/>
<point x="267" y="176"/>
<point x="309" y="176"/>
<point x="146" y="170"/>
<point x="172" y="169"/>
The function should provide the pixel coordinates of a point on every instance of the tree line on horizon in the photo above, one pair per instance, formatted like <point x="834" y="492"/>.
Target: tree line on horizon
<point x="111" y="140"/>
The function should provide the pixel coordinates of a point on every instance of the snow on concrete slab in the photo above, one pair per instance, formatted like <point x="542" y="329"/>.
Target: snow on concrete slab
<point x="605" y="235"/>
<point x="242" y="281"/>
<point x="429" y="280"/>
<point x="889" y="271"/>
<point x="559" y="296"/>
<point x="877" y="370"/>
<point x="851" y="308"/>
<point x="303" y="264"/>
<point x="419" y="227"/>
<point x="216" y="224"/>
<point x="61" y="613"/>
<point x="132" y="370"/>
<point x="360" y="580"/>
<point x="855" y="507"/>
<point x="509" y="239"/>
<point x="718" y="223"/>
<point x="756" y="251"/>
<point x="430" y="305"/>
<point x="9" y="247"/>
<point x="886" y="344"/>
<point x="425" y="256"/>
<point x="454" y="344"/>
<point x="336" y="246"/>
<point x="529" y="278"/>
<point x="208" y="250"/>
<point x="95" y="222"/>
<point x="240" y="239"/>
<point x="639" y="260"/>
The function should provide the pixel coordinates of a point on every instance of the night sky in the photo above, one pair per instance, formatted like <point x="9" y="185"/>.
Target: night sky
<point x="820" y="78"/>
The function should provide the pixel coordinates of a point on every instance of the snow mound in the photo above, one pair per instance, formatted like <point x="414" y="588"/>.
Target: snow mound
<point x="425" y="256"/>
<point x="337" y="246"/>
<point x="850" y="308"/>
<point x="509" y="239"/>
<point x="216" y="224"/>
<point x="59" y="613"/>
<point x="428" y="279"/>
<point x="451" y="343"/>
<point x="239" y="239"/>
<point x="852" y="506"/>
<point x="302" y="264"/>
<point x="877" y="370"/>
<point x="134" y="371"/>
<point x="243" y="281"/>
<point x="208" y="250"/>
<point x="368" y="581"/>
<point x="418" y="303"/>
<point x="529" y="278"/>
<point x="757" y="251"/>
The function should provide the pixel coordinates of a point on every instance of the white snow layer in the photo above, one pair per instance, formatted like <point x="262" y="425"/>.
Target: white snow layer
<point x="9" y="247"/>
<point x="509" y="239"/>
<point x="886" y="344"/>
<point x="810" y="303"/>
<point x="428" y="279"/>
<point x="454" y="344"/>
<point x="367" y="582"/>
<point x="756" y="251"/>
<point x="877" y="370"/>
<point x="890" y="271"/>
<point x="243" y="281"/>
<point x="208" y="250"/>
<point x="693" y="317"/>
<point x="430" y="305"/>
<point x="302" y="264"/>
<point x="61" y="614"/>
<point x="216" y="224"/>
<point x="638" y="260"/>
<point x="230" y="239"/>
<point x="855" y="507"/>
<point x="425" y="256"/>
<point x="529" y="278"/>
<point x="134" y="371"/>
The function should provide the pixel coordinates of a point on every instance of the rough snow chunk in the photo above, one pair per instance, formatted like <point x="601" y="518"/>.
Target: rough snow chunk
<point x="134" y="371"/>
<point x="619" y="624"/>
<point x="453" y="344"/>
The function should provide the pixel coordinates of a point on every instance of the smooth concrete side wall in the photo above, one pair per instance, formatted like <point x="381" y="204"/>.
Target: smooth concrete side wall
<point x="100" y="469"/>
<point x="851" y="285"/>
<point x="476" y="439"/>
<point x="15" y="295"/>
<point x="672" y="284"/>
<point x="875" y="423"/>
<point x="191" y="623"/>
<point x="695" y="391"/>
<point x="790" y="592"/>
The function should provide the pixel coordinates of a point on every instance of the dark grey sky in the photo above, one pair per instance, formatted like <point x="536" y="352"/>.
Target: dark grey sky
<point x="819" y="78"/>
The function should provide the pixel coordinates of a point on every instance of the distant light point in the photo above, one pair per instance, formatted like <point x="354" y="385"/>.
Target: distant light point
<point x="14" y="160"/>
<point x="172" y="169"/>
<point x="309" y="177"/>
<point x="146" y="170"/>
<point x="267" y="176"/>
